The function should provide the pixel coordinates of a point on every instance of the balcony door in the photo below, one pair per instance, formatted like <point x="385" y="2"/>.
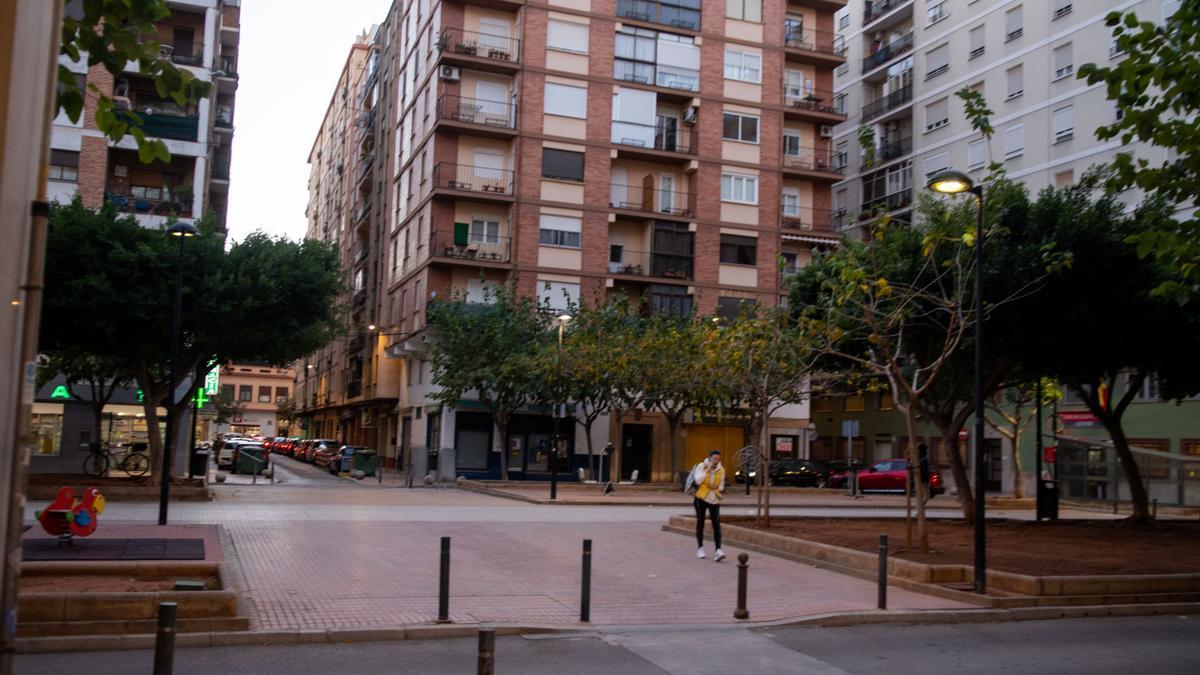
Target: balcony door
<point x="666" y="193"/>
<point x="666" y="132"/>
<point x="620" y="188"/>
<point x="494" y="34"/>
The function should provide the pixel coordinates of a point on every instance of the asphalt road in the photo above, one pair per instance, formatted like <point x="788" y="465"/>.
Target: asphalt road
<point x="1160" y="645"/>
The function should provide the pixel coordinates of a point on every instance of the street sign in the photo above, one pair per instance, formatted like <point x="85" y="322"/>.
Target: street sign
<point x="850" y="427"/>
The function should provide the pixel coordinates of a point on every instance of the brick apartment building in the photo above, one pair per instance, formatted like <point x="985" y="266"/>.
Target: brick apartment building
<point x="675" y="154"/>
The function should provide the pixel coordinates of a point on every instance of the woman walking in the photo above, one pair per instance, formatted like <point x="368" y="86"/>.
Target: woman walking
<point x="709" y="478"/>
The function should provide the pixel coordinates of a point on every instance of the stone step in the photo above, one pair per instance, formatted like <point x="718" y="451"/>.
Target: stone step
<point x="137" y="627"/>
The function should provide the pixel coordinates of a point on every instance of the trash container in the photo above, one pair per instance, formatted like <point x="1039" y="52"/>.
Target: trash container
<point x="366" y="460"/>
<point x="199" y="465"/>
<point x="1047" y="502"/>
<point x="250" y="459"/>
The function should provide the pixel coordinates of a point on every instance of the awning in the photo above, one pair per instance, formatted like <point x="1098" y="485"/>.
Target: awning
<point x="810" y="239"/>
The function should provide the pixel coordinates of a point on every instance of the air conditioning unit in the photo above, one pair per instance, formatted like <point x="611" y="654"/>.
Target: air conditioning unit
<point x="449" y="73"/>
<point x="689" y="117"/>
<point x="825" y="131"/>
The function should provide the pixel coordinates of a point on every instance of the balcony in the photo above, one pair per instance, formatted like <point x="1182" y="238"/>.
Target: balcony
<point x="656" y="202"/>
<point x="354" y="389"/>
<point x="887" y="53"/>
<point x="895" y="149"/>
<point x="808" y="45"/>
<point x="812" y="163"/>
<point x="888" y="103"/>
<point x="893" y="202"/>
<point x="487" y="118"/>
<point x="812" y="105"/>
<point x="467" y="178"/>
<point x="651" y="264"/>
<point x="361" y="213"/>
<point x="795" y="217"/>
<point x="220" y="168"/>
<point x="667" y="77"/>
<point x="480" y="49"/>
<point x="227" y="67"/>
<point x="664" y="14"/>
<point x="151" y="201"/>
<point x="463" y="245"/>
<point x="880" y="8"/>
<point x="224" y="117"/>
<point x="652" y="142"/>
<point x="364" y="167"/>
<point x="194" y="59"/>
<point x="163" y="124"/>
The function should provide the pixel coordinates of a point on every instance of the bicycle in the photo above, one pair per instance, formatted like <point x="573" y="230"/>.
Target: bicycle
<point x="135" y="461"/>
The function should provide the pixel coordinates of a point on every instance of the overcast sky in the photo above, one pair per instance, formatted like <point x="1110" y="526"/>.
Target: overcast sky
<point x="290" y="56"/>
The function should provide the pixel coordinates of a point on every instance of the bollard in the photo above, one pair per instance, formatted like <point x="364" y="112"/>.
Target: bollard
<point x="883" y="555"/>
<point x="741" y="612"/>
<point x="585" y="591"/>
<point x="487" y="651"/>
<point x="164" y="642"/>
<point x="444" y="584"/>
<point x="1154" y="513"/>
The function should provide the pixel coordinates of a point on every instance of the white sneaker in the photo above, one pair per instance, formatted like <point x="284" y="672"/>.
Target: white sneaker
<point x="700" y="553"/>
<point x="720" y="555"/>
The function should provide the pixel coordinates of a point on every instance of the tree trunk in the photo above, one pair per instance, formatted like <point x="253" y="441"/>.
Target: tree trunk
<point x="910" y="421"/>
<point x="1133" y="474"/>
<point x="958" y="467"/>
<point x="1018" y="489"/>
<point x="502" y="442"/>
<point x="587" y="433"/>
<point x="765" y="460"/>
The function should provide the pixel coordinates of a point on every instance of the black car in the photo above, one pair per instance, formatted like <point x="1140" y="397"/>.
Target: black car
<point x="799" y="473"/>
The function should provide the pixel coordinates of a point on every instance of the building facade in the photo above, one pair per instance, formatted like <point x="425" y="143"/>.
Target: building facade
<point x="259" y="390"/>
<point x="905" y="60"/>
<point x="200" y="36"/>
<point x="674" y="154"/>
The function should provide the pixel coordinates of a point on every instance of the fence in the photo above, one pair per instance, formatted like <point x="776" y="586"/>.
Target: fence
<point x="476" y="111"/>
<point x="473" y="178"/>
<point x="673" y="202"/>
<point x="484" y="45"/>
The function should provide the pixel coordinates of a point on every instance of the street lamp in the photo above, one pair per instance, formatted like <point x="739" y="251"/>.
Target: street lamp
<point x="181" y="231"/>
<point x="952" y="182"/>
<point x="561" y="320"/>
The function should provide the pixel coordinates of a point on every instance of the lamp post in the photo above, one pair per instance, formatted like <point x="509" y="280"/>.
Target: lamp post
<point x="181" y="231"/>
<point x="952" y="182"/>
<point x="561" y="320"/>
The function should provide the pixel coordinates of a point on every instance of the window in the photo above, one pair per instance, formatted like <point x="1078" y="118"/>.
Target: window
<point x="1014" y="141"/>
<point x="670" y="300"/>
<point x="737" y="250"/>
<point x="245" y="392"/>
<point x="678" y="62"/>
<point x="559" y="231"/>
<point x="936" y="163"/>
<point x="484" y="230"/>
<point x="227" y="391"/>
<point x="976" y="154"/>
<point x="635" y="55"/>
<point x="1149" y="390"/>
<point x="1013" y="24"/>
<point x="937" y="114"/>
<point x="843" y="69"/>
<point x="745" y="10"/>
<point x="856" y="403"/>
<point x="791" y="262"/>
<point x="281" y="394"/>
<point x="1061" y="8"/>
<point x="1063" y="124"/>
<point x="1064" y="179"/>
<point x="736" y="187"/>
<point x="1016" y="83"/>
<point x="937" y="10"/>
<point x="559" y="295"/>
<point x="843" y="19"/>
<point x="839" y="104"/>
<point x="567" y="36"/>
<point x="1062" y="62"/>
<point x="729" y="309"/>
<point x="562" y="164"/>
<point x="480" y="292"/>
<point x="885" y="401"/>
<point x="740" y="127"/>
<point x="1114" y="47"/>
<point x="977" y="41"/>
<point x="937" y="61"/>
<point x="744" y="66"/>
<point x="565" y="100"/>
<point x="64" y="166"/>
<point x="789" y="203"/>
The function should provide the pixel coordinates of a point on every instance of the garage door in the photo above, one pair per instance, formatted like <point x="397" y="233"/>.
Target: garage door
<point x="704" y="438"/>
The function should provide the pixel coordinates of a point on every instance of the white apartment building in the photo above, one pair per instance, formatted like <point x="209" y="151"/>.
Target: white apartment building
<point x="905" y="60"/>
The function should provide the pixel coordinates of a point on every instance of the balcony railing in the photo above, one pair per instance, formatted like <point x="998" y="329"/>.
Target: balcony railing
<point x="896" y="200"/>
<point x="813" y="41"/>
<point x="669" y="77"/>
<point x="163" y="124"/>
<point x="878" y="8"/>
<point x="362" y="211"/>
<point x="228" y="66"/>
<point x="652" y="200"/>
<point x="651" y="264"/>
<point x="894" y="149"/>
<point x="477" y="111"/>
<point x="151" y="201"/>
<point x="885" y="104"/>
<point x="473" y="178"/>
<point x="817" y="100"/>
<point x="887" y="53"/>
<point x="811" y="159"/>
<point x="794" y="217"/>
<point x="652" y="137"/>
<point x="479" y="246"/>
<point x="220" y="169"/>
<point x="187" y="59"/>
<point x="483" y="45"/>
<point x="224" y="117"/>
<point x="666" y="14"/>
<point x="837" y="220"/>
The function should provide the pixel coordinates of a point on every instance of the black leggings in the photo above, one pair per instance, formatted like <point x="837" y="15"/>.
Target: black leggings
<point x="713" y="509"/>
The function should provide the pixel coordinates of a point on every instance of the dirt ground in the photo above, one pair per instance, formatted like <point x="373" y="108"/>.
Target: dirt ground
<point x="101" y="583"/>
<point x="1040" y="549"/>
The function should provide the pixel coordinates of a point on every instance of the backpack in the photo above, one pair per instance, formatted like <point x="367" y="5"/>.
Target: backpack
<point x="689" y="483"/>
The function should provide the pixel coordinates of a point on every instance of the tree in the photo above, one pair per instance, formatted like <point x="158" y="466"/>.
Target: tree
<point x="109" y="290"/>
<point x="866" y="140"/>
<point x="505" y="376"/>
<point x="1156" y="87"/>
<point x="227" y="408"/>
<point x="111" y="33"/>
<point x="1010" y="405"/>
<point x="286" y="411"/>
<point x="674" y="386"/>
<point x="102" y="376"/>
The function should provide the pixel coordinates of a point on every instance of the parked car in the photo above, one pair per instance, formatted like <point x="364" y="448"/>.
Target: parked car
<point x="316" y="445"/>
<point x="273" y="444"/>
<point x="328" y="456"/>
<point x="888" y="475"/>
<point x="799" y="473"/>
<point x="226" y="449"/>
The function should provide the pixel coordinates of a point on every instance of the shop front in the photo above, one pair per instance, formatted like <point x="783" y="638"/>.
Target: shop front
<point x="527" y="451"/>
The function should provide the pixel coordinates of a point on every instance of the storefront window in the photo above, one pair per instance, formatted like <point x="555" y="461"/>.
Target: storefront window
<point x="47" y="433"/>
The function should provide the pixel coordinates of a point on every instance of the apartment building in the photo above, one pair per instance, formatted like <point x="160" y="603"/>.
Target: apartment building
<point x="200" y="36"/>
<point x="675" y="154"/>
<point x="905" y="60"/>
<point x="258" y="389"/>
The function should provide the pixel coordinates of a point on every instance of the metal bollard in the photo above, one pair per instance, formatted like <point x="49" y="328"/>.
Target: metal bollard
<point x="585" y="591"/>
<point x="444" y="584"/>
<point x="883" y="555"/>
<point x="741" y="612"/>
<point x="487" y="651"/>
<point x="164" y="642"/>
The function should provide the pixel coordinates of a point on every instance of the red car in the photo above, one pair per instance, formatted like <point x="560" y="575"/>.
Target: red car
<point x="887" y="475"/>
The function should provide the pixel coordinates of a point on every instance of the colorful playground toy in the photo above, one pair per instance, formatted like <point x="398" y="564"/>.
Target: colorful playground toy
<point x="68" y="516"/>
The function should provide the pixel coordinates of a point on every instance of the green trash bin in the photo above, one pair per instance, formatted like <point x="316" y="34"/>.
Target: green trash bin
<point x="250" y="459"/>
<point x="366" y="460"/>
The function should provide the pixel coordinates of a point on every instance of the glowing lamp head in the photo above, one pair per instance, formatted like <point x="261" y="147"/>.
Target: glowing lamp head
<point x="950" y="182"/>
<point x="182" y="230"/>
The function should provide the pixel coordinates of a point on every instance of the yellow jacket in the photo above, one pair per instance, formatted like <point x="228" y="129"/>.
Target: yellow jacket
<point x="709" y="484"/>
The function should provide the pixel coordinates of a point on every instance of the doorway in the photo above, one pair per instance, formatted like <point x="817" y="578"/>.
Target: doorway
<point x="994" y="454"/>
<point x="637" y="444"/>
